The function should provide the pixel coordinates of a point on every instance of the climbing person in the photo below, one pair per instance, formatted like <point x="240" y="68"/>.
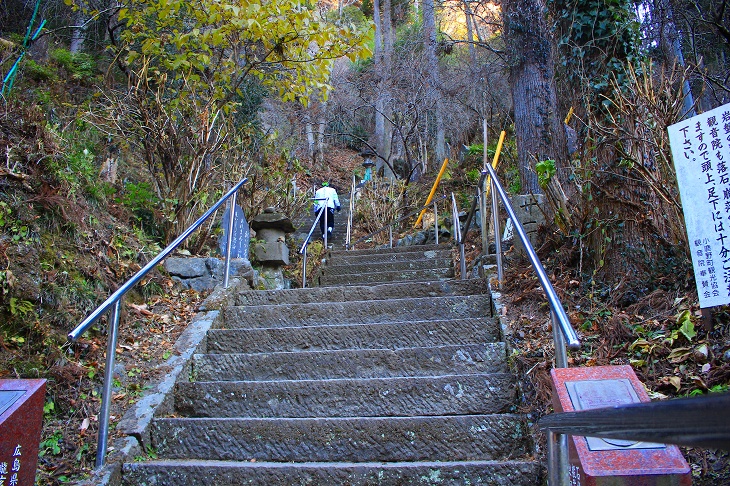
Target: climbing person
<point x="326" y="196"/>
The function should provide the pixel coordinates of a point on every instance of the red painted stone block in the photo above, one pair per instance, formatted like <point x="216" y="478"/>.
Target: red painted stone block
<point x="21" y="418"/>
<point x="606" y="462"/>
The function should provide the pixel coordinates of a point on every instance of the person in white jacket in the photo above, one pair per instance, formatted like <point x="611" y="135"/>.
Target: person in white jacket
<point x="326" y="197"/>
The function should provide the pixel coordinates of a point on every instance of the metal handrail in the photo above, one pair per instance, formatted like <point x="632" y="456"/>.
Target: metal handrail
<point x="390" y="225"/>
<point x="563" y="332"/>
<point x="113" y="304"/>
<point x="303" y="250"/>
<point x="348" y="236"/>
<point x="556" y="306"/>
<point x="459" y="236"/>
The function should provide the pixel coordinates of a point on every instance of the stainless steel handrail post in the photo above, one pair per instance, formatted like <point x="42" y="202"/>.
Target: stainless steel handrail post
<point x="435" y="223"/>
<point x="304" y="268"/>
<point x="497" y="231"/>
<point x="326" y="230"/>
<point x="390" y="235"/>
<point x="106" y="392"/>
<point x="561" y="355"/>
<point x="459" y="237"/>
<point x="348" y="237"/>
<point x="558" y="466"/>
<point x="229" y="239"/>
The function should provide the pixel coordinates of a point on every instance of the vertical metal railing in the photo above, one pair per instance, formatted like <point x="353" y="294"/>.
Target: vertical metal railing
<point x="113" y="305"/>
<point x="348" y="237"/>
<point x="303" y="249"/>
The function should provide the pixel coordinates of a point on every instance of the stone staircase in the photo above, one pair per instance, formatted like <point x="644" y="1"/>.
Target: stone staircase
<point x="376" y="379"/>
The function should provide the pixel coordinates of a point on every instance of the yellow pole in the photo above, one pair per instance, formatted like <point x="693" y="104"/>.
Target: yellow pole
<point x="569" y="115"/>
<point x="433" y="191"/>
<point x="496" y="159"/>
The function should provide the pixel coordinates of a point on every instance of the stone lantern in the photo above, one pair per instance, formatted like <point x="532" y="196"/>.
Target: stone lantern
<point x="367" y="154"/>
<point x="270" y="248"/>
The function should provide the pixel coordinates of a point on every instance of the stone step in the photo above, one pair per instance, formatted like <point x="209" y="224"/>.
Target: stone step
<point x="383" y="291"/>
<point x="234" y="473"/>
<point x="356" y="439"/>
<point x="376" y="397"/>
<point x="379" y="277"/>
<point x="360" y="363"/>
<point x="347" y="258"/>
<point x="396" y="249"/>
<point x="378" y="266"/>
<point x="359" y="312"/>
<point x="353" y="336"/>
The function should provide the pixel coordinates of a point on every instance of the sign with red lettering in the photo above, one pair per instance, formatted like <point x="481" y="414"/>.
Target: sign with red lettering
<point x="701" y="151"/>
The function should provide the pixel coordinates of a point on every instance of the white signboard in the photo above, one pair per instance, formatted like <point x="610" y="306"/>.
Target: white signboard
<point x="701" y="152"/>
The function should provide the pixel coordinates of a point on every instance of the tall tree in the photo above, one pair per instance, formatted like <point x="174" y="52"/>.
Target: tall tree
<point x="434" y="78"/>
<point x="539" y="130"/>
<point x="383" y="62"/>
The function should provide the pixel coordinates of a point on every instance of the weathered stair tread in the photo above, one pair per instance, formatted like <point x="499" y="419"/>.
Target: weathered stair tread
<point x="361" y="363"/>
<point x="341" y="258"/>
<point x="385" y="335"/>
<point x="175" y="472"/>
<point x="383" y="291"/>
<point x="396" y="249"/>
<point x="375" y="397"/>
<point x="348" y="268"/>
<point x="359" y="439"/>
<point x="387" y="276"/>
<point x="296" y="315"/>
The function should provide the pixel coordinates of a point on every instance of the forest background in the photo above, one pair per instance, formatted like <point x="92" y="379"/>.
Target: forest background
<point x="121" y="122"/>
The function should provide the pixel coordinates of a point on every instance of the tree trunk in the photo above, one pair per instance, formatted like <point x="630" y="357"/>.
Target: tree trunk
<point x="539" y="131"/>
<point x="429" y="44"/>
<point x="470" y="35"/>
<point x="321" y="128"/>
<point x="383" y="61"/>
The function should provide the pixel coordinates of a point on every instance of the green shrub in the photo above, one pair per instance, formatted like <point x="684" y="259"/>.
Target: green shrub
<point x="80" y="66"/>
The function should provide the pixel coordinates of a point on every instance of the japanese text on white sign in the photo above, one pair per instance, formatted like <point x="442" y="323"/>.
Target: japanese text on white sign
<point x="701" y="152"/>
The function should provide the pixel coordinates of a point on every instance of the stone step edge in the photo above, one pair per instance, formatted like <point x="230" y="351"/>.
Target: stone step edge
<point x="326" y="326"/>
<point x="496" y="344"/>
<point x="371" y="301"/>
<point x="435" y="264"/>
<point x="384" y="379"/>
<point x="343" y="464"/>
<point x="395" y="249"/>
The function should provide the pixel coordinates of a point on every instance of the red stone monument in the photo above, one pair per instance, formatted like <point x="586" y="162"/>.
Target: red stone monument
<point x="596" y="461"/>
<point x="21" y="417"/>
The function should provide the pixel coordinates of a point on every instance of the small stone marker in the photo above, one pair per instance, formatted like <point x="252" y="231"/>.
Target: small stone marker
<point x="241" y="234"/>
<point x="21" y="418"/>
<point x="597" y="461"/>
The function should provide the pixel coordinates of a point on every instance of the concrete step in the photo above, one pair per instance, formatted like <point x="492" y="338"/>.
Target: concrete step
<point x="343" y="258"/>
<point x="397" y="249"/>
<point x="353" y="336"/>
<point x="383" y="291"/>
<point x="376" y="397"/>
<point x="394" y="276"/>
<point x="234" y="473"/>
<point x="388" y="266"/>
<point x="360" y="363"/>
<point x="358" y="439"/>
<point x="361" y="312"/>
